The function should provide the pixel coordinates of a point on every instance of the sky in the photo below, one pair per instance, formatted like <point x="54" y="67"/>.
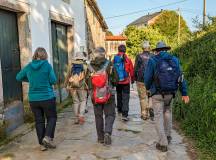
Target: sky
<point x="189" y="10"/>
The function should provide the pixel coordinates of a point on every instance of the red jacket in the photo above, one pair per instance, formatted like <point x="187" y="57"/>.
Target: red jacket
<point x="129" y="69"/>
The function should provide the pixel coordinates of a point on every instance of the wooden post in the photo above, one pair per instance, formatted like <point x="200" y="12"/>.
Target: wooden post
<point x="204" y="13"/>
<point x="179" y="27"/>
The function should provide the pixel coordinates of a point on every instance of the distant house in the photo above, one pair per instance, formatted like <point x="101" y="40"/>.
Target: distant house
<point x="146" y="20"/>
<point x="112" y="43"/>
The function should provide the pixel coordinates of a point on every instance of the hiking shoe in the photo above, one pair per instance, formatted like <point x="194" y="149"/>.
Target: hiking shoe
<point x="107" y="139"/>
<point x="119" y="112"/>
<point x="169" y="139"/>
<point x="101" y="141"/>
<point x="43" y="148"/>
<point x="81" y="120"/>
<point x="161" y="148"/>
<point x="48" y="143"/>
<point x="76" y="121"/>
<point x="144" y="118"/>
<point x="125" y="119"/>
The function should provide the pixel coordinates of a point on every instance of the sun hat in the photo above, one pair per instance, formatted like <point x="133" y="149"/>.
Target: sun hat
<point x="161" y="46"/>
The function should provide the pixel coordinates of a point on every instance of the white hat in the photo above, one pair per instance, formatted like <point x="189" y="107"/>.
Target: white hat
<point x="146" y="44"/>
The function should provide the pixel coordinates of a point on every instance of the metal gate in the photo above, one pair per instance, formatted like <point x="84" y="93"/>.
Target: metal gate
<point x="10" y="56"/>
<point x="60" y="54"/>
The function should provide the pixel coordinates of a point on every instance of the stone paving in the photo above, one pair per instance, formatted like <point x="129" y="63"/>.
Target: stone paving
<point x="134" y="140"/>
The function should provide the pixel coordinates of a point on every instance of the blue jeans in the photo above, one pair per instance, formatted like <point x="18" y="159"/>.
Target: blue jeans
<point x="44" y="110"/>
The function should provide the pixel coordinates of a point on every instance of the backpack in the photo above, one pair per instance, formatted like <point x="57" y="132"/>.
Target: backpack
<point x="167" y="75"/>
<point x="77" y="76"/>
<point x="101" y="91"/>
<point x="121" y="67"/>
<point x="142" y="65"/>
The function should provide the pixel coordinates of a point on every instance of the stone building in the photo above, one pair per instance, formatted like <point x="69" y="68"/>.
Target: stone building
<point x="60" y="26"/>
<point x="146" y="20"/>
<point x="96" y="26"/>
<point x="112" y="43"/>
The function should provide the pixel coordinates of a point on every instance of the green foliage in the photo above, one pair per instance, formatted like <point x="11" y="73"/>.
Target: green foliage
<point x="198" y="119"/>
<point x="2" y="132"/>
<point x="109" y="33"/>
<point x="168" y="23"/>
<point x="136" y="36"/>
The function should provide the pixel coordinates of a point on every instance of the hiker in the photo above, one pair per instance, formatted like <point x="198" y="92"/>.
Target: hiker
<point x="162" y="78"/>
<point x="139" y="69"/>
<point x="87" y="61"/>
<point x="124" y="71"/>
<point x="75" y="82"/>
<point x="99" y="75"/>
<point x="40" y="76"/>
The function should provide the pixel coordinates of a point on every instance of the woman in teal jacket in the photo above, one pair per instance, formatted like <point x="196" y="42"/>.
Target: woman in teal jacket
<point x="41" y="77"/>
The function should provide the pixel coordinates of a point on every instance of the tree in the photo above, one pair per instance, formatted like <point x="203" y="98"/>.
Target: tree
<point x="168" y="24"/>
<point x="109" y="33"/>
<point x="136" y="36"/>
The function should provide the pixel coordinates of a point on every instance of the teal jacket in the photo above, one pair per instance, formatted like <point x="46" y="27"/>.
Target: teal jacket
<point x="41" y="77"/>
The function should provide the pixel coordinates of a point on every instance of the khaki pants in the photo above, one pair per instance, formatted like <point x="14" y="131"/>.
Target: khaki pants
<point x="163" y="116"/>
<point x="79" y="98"/>
<point x="145" y="102"/>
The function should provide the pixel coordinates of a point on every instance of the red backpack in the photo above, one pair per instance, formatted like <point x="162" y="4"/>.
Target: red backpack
<point x="101" y="91"/>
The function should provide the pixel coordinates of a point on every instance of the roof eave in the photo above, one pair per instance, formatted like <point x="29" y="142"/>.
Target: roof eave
<point x="96" y="9"/>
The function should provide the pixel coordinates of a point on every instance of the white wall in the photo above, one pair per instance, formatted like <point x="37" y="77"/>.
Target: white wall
<point x="80" y="24"/>
<point x="41" y="26"/>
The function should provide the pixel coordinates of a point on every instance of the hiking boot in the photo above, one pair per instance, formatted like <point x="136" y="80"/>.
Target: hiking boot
<point x="125" y="119"/>
<point x="169" y="139"/>
<point x="161" y="148"/>
<point x="107" y="139"/>
<point x="81" y="120"/>
<point x="43" y="148"/>
<point x="48" y="143"/>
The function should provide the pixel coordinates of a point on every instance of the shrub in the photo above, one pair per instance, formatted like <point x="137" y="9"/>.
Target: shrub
<point x="198" y="119"/>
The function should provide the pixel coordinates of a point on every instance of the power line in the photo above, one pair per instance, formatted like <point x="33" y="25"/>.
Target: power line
<point x="139" y="11"/>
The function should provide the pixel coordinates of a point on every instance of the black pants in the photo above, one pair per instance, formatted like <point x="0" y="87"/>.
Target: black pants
<point x="123" y="96"/>
<point x="41" y="110"/>
<point x="109" y="111"/>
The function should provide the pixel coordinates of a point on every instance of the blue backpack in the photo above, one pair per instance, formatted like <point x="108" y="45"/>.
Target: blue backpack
<point x="77" y="69"/>
<point x="167" y="75"/>
<point x="119" y="67"/>
<point x="77" y="78"/>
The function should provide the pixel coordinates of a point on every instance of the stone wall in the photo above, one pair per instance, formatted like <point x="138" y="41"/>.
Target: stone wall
<point x="96" y="32"/>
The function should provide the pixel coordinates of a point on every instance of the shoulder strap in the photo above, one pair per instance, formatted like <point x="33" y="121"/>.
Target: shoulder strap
<point x="106" y="65"/>
<point x="91" y="69"/>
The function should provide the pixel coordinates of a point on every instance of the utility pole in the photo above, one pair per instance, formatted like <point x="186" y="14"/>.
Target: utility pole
<point x="179" y="26"/>
<point x="204" y="13"/>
